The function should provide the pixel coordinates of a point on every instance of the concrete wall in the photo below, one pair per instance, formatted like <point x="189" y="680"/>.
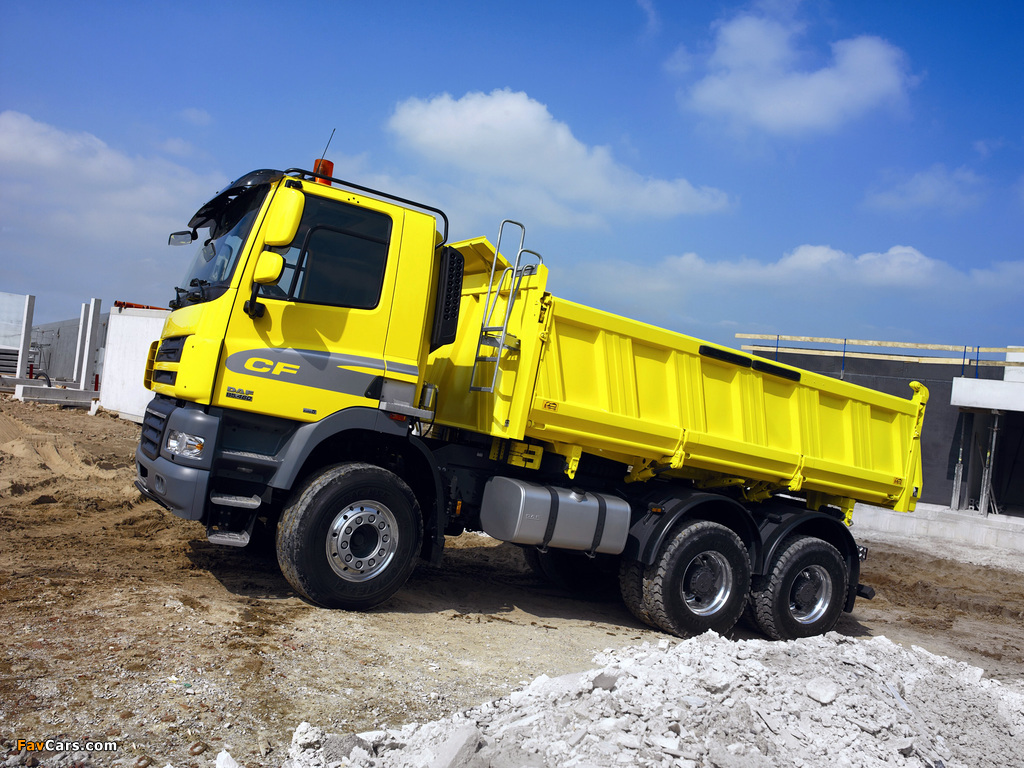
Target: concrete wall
<point x="940" y="420"/>
<point x="1016" y="373"/>
<point x="980" y="398"/>
<point x="15" y="333"/>
<point x="58" y="347"/>
<point x="129" y="334"/>
<point x="12" y="315"/>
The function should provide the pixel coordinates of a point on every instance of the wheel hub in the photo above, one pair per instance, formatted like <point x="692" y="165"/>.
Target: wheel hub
<point x="707" y="583"/>
<point x="805" y="594"/>
<point x="810" y="595"/>
<point x="703" y="583"/>
<point x="362" y="540"/>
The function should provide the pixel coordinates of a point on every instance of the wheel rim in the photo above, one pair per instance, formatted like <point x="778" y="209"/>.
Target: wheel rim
<point x="810" y="595"/>
<point x="362" y="540"/>
<point x="707" y="583"/>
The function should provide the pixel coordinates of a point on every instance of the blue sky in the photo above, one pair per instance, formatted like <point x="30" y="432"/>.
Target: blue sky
<point x="821" y="169"/>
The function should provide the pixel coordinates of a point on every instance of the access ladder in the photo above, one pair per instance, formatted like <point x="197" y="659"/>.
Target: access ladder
<point x="495" y="339"/>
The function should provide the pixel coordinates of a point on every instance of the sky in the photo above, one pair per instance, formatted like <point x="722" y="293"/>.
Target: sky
<point x="838" y="169"/>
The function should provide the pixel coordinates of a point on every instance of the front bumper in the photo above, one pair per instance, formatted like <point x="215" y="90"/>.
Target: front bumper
<point x="180" y="489"/>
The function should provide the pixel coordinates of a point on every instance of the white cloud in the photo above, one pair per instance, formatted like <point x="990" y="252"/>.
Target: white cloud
<point x="680" y="62"/>
<point x="80" y="219"/>
<point x="651" y="14"/>
<point x="987" y="147"/>
<point x="812" y="290"/>
<point x="755" y="79"/>
<point x="177" y="147"/>
<point x="514" y="155"/>
<point x="936" y="188"/>
<point x="196" y="116"/>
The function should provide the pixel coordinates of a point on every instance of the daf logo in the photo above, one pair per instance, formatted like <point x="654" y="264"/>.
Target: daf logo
<point x="240" y="394"/>
<point x="262" y="365"/>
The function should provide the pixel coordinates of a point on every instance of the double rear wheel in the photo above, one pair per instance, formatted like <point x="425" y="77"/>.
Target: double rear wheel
<point x="803" y="593"/>
<point x="698" y="581"/>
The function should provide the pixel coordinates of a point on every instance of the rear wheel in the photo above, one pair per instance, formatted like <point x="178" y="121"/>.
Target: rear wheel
<point x="349" y="537"/>
<point x="699" y="581"/>
<point x="804" y="593"/>
<point x="631" y="586"/>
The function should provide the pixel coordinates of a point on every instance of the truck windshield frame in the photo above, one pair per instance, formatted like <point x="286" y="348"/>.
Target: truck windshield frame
<point x="228" y="225"/>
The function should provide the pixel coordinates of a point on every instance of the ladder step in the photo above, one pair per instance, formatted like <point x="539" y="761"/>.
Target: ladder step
<point x="511" y="342"/>
<point x="229" y="538"/>
<point x="481" y="389"/>
<point x="242" y="502"/>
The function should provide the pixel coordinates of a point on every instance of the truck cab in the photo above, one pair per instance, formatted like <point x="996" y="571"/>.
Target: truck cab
<point x="307" y="313"/>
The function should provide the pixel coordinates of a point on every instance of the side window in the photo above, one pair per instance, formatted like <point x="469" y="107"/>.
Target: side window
<point x="337" y="258"/>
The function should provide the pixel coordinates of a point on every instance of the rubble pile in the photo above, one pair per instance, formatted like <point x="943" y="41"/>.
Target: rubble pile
<point x="708" y="701"/>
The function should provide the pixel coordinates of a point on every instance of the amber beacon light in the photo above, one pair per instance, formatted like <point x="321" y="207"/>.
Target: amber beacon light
<point x="324" y="168"/>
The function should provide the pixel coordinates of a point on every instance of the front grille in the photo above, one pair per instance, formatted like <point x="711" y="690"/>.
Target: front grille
<point x="153" y="426"/>
<point x="170" y="350"/>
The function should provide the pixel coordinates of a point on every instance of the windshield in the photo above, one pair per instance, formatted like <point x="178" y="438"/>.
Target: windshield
<point x="223" y="235"/>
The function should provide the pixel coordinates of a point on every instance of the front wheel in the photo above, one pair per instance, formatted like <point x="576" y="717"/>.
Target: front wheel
<point x="804" y="593"/>
<point x="349" y="537"/>
<point x="699" y="581"/>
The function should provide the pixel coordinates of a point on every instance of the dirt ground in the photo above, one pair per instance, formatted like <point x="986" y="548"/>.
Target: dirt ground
<point x="121" y="623"/>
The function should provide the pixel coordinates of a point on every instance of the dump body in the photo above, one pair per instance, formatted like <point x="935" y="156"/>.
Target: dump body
<point x="586" y="381"/>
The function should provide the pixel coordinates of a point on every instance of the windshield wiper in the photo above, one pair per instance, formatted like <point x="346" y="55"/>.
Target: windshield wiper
<point x="176" y="302"/>
<point x="199" y="295"/>
<point x="183" y="295"/>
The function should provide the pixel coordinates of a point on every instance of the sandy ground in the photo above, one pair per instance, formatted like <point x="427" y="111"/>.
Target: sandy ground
<point x="120" y="623"/>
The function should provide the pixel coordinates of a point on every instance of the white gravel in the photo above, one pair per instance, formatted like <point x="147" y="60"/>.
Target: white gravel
<point x="708" y="701"/>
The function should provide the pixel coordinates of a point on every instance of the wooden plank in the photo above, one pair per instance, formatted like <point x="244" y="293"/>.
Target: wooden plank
<point x="867" y="343"/>
<point x="878" y="356"/>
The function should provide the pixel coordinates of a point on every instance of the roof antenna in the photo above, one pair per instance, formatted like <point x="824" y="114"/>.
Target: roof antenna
<point x="323" y="167"/>
<point x="328" y="144"/>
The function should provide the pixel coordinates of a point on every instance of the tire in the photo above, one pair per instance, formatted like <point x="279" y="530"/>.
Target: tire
<point x="804" y="592"/>
<point x="699" y="581"/>
<point x="349" y="538"/>
<point x="532" y="557"/>
<point x="631" y="587"/>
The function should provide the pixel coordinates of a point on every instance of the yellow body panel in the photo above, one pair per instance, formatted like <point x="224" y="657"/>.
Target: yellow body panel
<point x="586" y="381"/>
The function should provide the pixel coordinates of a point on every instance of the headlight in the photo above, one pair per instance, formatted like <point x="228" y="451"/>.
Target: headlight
<point x="184" y="444"/>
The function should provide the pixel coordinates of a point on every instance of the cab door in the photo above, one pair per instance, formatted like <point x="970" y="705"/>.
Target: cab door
<point x="318" y="346"/>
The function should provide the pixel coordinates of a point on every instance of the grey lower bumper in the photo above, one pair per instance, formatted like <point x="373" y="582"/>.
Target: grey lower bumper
<point x="182" y="490"/>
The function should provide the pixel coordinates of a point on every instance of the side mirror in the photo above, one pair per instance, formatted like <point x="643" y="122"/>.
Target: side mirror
<point x="283" y="217"/>
<point x="269" y="268"/>
<point x="182" y="238"/>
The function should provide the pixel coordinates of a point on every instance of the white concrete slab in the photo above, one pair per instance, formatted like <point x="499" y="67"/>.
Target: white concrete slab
<point x="1014" y="373"/>
<point x="129" y="334"/>
<point x="988" y="394"/>
<point x="55" y="396"/>
<point x="931" y="521"/>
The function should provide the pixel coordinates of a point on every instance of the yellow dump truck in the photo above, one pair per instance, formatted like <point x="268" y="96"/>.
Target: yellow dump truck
<point x="337" y="372"/>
